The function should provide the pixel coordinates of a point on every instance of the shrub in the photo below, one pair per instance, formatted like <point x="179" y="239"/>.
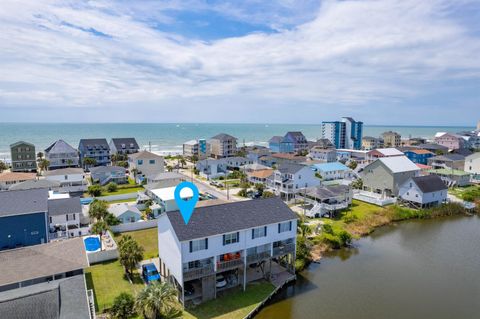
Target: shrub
<point x="112" y="187"/>
<point x="267" y="194"/>
<point x="332" y="240"/>
<point x="94" y="190"/>
<point x="345" y="238"/>
<point x="349" y="217"/>
<point x="243" y="192"/>
<point x="123" y="306"/>
<point x="327" y="229"/>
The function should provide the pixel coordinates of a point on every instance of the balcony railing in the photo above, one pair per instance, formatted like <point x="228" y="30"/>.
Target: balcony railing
<point x="284" y="249"/>
<point x="195" y="273"/>
<point x="258" y="257"/>
<point x="226" y="265"/>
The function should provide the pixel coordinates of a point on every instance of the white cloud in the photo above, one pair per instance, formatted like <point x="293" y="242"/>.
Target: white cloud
<point x="345" y="53"/>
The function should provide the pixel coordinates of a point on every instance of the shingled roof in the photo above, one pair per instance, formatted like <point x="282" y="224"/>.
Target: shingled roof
<point x="60" y="147"/>
<point x="59" y="299"/>
<point x="42" y="260"/>
<point x="226" y="218"/>
<point x="23" y="202"/>
<point x="429" y="183"/>
<point x="64" y="206"/>
<point x="223" y="137"/>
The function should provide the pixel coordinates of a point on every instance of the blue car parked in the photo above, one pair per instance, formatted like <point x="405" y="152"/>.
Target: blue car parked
<point x="150" y="273"/>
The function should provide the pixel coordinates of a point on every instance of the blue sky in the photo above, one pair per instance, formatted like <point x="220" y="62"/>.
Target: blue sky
<point x="280" y="61"/>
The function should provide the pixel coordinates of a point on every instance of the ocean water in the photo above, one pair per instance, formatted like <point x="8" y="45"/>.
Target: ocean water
<point x="167" y="138"/>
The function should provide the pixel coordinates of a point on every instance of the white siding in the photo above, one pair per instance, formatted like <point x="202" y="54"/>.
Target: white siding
<point x="169" y="248"/>
<point x="216" y="247"/>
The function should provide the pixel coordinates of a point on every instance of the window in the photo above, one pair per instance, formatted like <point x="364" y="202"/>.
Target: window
<point x="259" y="232"/>
<point x="196" y="245"/>
<point x="140" y="162"/>
<point x="66" y="177"/>
<point x="231" y="238"/>
<point x="283" y="227"/>
<point x="151" y="161"/>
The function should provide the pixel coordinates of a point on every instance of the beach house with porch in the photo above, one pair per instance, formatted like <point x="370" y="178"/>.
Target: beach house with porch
<point x="424" y="191"/>
<point x="235" y="243"/>
<point x="326" y="199"/>
<point x="288" y="179"/>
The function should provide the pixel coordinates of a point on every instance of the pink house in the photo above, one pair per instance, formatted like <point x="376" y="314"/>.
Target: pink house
<point x="450" y="140"/>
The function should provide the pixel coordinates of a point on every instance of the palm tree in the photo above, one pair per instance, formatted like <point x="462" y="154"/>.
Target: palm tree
<point x="131" y="253"/>
<point x="158" y="301"/>
<point x="3" y="166"/>
<point x="99" y="227"/>
<point x="40" y="156"/>
<point x="98" y="209"/>
<point x="43" y="165"/>
<point x="69" y="162"/>
<point x="88" y="162"/>
<point x="182" y="161"/>
<point x="302" y="228"/>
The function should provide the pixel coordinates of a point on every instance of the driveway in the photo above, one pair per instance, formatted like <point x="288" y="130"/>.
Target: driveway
<point x="155" y="261"/>
<point x="205" y="187"/>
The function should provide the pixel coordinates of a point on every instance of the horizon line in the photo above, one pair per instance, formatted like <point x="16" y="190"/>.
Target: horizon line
<point x="244" y="123"/>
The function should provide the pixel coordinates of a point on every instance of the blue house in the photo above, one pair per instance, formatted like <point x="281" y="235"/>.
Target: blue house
<point x="97" y="149"/>
<point x="419" y="156"/>
<point x="278" y="144"/>
<point x="23" y="218"/>
<point x="290" y="143"/>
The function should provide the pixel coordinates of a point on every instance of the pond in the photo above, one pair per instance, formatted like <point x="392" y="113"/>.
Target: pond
<point x="418" y="269"/>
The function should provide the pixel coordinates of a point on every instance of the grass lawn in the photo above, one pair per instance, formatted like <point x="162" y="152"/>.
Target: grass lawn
<point x="108" y="280"/>
<point x="147" y="238"/>
<point x="460" y="192"/>
<point x="118" y="192"/>
<point x="234" y="305"/>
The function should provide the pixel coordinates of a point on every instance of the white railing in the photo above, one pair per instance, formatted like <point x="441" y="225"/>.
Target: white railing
<point x="373" y="198"/>
<point x="91" y="303"/>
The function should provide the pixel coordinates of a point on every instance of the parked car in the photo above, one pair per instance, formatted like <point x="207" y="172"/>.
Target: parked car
<point x="221" y="282"/>
<point x="150" y="273"/>
<point x="189" y="289"/>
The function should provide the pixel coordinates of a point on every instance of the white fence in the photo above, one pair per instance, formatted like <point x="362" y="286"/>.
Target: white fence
<point x="101" y="256"/>
<point x="134" y="226"/>
<point x="373" y="198"/>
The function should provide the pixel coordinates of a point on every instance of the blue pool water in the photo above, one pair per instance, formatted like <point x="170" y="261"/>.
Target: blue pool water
<point x="92" y="243"/>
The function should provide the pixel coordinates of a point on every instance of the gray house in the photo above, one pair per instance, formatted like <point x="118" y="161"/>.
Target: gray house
<point x="23" y="157"/>
<point x="106" y="174"/>
<point x="124" y="146"/>
<point x="387" y="174"/>
<point x="452" y="161"/>
<point x="61" y="155"/>
<point x="424" y="191"/>
<point x="45" y="282"/>
<point x="223" y="145"/>
<point x="97" y="149"/>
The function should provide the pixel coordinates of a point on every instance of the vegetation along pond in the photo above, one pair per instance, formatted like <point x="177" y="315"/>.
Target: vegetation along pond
<point x="416" y="270"/>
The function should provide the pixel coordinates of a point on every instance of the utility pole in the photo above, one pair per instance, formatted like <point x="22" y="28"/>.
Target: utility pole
<point x="149" y="146"/>
<point x="304" y="199"/>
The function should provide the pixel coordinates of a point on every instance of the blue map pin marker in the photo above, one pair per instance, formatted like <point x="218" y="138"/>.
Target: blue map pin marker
<point x="186" y="206"/>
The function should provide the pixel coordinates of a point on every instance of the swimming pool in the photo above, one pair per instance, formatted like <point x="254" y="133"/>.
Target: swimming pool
<point x="92" y="244"/>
